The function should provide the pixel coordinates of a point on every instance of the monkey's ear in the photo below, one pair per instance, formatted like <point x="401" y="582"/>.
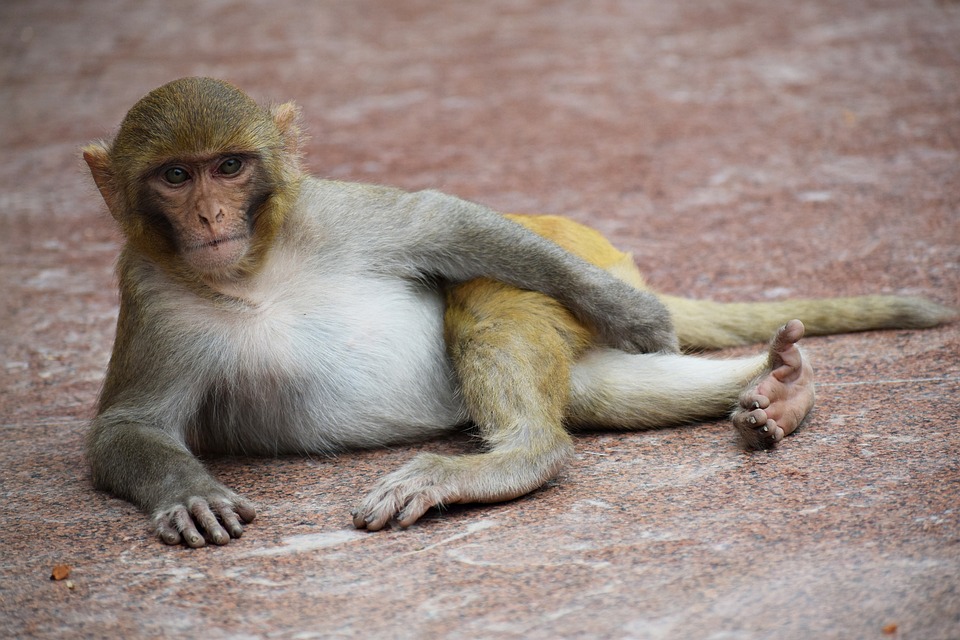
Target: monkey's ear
<point x="97" y="157"/>
<point x="287" y="118"/>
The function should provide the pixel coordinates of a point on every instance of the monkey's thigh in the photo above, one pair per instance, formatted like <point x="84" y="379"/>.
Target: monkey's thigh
<point x="512" y="351"/>
<point x="586" y="243"/>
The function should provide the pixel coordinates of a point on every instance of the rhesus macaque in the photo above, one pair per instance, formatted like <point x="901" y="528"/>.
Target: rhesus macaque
<point x="264" y="311"/>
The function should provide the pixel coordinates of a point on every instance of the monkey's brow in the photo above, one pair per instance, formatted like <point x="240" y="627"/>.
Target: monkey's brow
<point x="198" y="159"/>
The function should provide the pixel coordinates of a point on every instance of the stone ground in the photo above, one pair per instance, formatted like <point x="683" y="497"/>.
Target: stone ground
<point x="741" y="149"/>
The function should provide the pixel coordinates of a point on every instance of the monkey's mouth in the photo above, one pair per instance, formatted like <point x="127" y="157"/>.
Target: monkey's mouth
<point x="218" y="243"/>
<point x="218" y="253"/>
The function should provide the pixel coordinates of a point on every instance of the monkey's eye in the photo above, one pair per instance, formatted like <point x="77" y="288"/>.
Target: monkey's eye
<point x="230" y="166"/>
<point x="176" y="175"/>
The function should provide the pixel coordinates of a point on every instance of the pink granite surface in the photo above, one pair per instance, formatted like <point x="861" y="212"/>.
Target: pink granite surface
<point x="742" y="149"/>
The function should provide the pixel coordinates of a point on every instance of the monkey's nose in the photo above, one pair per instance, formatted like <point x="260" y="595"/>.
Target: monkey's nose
<point x="210" y="217"/>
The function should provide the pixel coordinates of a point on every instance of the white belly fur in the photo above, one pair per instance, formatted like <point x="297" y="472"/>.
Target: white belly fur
<point x="316" y="363"/>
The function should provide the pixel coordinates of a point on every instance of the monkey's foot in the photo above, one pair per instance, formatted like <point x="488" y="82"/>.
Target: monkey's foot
<point x="431" y="480"/>
<point x="778" y="400"/>
<point x="406" y="494"/>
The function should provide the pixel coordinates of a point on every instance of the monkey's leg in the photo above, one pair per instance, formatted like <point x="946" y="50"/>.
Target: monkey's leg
<point x="769" y="394"/>
<point x="513" y="351"/>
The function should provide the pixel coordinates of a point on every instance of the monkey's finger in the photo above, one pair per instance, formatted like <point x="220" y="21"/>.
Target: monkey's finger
<point x="245" y="509"/>
<point x="181" y="520"/>
<point x="192" y="537"/>
<point x="756" y="428"/>
<point x="167" y="533"/>
<point x="204" y="516"/>
<point x="229" y="518"/>
<point x="646" y="340"/>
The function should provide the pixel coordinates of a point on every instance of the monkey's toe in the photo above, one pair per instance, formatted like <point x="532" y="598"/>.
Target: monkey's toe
<point x="757" y="429"/>
<point x="400" y="503"/>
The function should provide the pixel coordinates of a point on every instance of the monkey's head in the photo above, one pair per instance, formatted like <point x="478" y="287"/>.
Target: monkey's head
<point x="199" y="176"/>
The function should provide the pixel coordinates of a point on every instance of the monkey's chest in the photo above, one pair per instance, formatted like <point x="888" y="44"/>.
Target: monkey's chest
<point x="346" y="363"/>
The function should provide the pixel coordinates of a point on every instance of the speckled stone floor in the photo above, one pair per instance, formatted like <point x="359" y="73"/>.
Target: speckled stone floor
<point x="741" y="149"/>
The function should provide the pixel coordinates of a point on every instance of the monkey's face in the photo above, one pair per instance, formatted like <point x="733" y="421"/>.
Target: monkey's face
<point x="208" y="205"/>
<point x="200" y="176"/>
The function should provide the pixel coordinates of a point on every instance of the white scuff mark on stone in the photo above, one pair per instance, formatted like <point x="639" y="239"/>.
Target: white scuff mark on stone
<point x="860" y="383"/>
<point x="721" y="177"/>
<point x="243" y="574"/>
<point x="438" y="606"/>
<point x="852" y="170"/>
<point x="652" y="628"/>
<point x="183" y="574"/>
<point x="814" y="196"/>
<point x="780" y="74"/>
<point x="595" y="503"/>
<point x="588" y="511"/>
<point x="47" y="279"/>
<point x="777" y="292"/>
<point x="472" y="528"/>
<point x="558" y="555"/>
<point x="308" y="542"/>
<point x="355" y="110"/>
<point x="707" y="197"/>
<point x="904" y="439"/>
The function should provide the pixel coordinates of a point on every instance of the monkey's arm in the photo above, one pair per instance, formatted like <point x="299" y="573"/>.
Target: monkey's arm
<point x="136" y="445"/>
<point x="148" y="466"/>
<point x="437" y="234"/>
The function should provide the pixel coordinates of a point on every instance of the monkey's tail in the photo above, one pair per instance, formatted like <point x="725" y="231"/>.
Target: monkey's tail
<point x="704" y="324"/>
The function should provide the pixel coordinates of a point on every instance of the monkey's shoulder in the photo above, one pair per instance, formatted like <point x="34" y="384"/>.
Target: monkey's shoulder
<point x="336" y="203"/>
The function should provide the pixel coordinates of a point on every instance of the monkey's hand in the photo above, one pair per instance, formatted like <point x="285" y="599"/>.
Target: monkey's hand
<point x="635" y="322"/>
<point x="215" y="515"/>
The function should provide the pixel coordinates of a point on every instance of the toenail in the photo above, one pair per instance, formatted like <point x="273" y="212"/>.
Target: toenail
<point x="764" y="429"/>
<point x="755" y="405"/>
<point x="753" y="420"/>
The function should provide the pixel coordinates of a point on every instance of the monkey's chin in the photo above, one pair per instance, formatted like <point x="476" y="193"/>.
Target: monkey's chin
<point x="218" y="257"/>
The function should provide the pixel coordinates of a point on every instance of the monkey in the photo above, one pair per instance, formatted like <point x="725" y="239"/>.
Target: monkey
<point x="264" y="311"/>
